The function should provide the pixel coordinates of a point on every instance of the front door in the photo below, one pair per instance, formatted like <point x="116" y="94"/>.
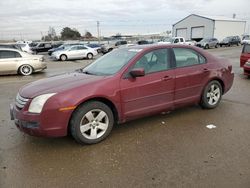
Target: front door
<point x="153" y="92"/>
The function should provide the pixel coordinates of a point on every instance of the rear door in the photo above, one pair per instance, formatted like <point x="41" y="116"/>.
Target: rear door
<point x="153" y="92"/>
<point x="9" y="61"/>
<point x="190" y="75"/>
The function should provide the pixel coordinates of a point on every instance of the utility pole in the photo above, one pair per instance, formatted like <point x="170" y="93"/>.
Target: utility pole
<point x="98" y="31"/>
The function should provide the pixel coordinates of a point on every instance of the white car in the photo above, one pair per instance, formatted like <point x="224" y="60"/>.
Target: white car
<point x="14" y="61"/>
<point x="245" y="40"/>
<point x="25" y="47"/>
<point x="191" y="42"/>
<point x="74" y="52"/>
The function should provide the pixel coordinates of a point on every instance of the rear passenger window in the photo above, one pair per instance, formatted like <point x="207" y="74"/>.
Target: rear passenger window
<point x="187" y="57"/>
<point x="9" y="54"/>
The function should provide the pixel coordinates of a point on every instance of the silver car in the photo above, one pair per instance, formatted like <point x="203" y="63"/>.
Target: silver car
<point x="208" y="43"/>
<point x="74" y="52"/>
<point x="13" y="61"/>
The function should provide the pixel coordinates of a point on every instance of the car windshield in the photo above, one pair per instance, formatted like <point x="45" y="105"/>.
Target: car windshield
<point x="111" y="63"/>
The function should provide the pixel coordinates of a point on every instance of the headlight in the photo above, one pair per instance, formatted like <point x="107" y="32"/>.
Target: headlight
<point x="37" y="103"/>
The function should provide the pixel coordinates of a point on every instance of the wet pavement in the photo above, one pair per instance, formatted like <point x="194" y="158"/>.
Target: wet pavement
<point x="167" y="150"/>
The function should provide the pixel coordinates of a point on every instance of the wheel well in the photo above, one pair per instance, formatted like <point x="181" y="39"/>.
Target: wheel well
<point x="64" y="55"/>
<point x="103" y="100"/>
<point x="221" y="83"/>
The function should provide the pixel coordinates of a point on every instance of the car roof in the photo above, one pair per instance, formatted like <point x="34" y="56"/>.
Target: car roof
<point x="10" y="49"/>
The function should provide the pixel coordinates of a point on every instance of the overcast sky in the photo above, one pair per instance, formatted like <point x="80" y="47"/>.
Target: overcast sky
<point x="29" y="19"/>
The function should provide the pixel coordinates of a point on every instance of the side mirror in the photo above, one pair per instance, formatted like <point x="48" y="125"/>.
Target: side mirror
<point x="138" y="72"/>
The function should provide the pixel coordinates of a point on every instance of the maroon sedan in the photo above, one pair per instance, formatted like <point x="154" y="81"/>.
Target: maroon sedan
<point x="125" y="84"/>
<point x="245" y="59"/>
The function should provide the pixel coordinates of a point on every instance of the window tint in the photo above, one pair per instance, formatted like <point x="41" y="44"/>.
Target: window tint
<point x="187" y="57"/>
<point x="246" y="48"/>
<point x="74" y="48"/>
<point x="47" y="45"/>
<point x="81" y="48"/>
<point x="154" y="61"/>
<point x="9" y="54"/>
<point x="181" y="39"/>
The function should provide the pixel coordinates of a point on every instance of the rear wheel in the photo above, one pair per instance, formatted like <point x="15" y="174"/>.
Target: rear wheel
<point x="206" y="46"/>
<point x="217" y="45"/>
<point x="211" y="95"/>
<point x="91" y="123"/>
<point x="25" y="70"/>
<point x="63" y="57"/>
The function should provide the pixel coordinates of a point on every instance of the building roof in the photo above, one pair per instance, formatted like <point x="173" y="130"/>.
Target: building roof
<point x="214" y="18"/>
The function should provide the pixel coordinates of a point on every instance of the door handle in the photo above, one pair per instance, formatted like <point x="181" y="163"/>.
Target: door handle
<point x="166" y="78"/>
<point x="205" y="70"/>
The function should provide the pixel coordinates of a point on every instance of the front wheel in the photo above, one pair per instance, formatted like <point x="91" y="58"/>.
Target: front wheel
<point x="211" y="95"/>
<point x="91" y="123"/>
<point x="206" y="46"/>
<point x="63" y="57"/>
<point x="90" y="56"/>
<point x="25" y="70"/>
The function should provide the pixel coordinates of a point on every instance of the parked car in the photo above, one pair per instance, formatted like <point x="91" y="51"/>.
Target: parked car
<point x="13" y="61"/>
<point x="245" y="40"/>
<point x="207" y="43"/>
<point x="122" y="85"/>
<point x="26" y="47"/>
<point x="42" y="47"/>
<point x="143" y="42"/>
<point x="245" y="59"/>
<point x="174" y="40"/>
<point x="96" y="47"/>
<point x="62" y="47"/>
<point x="230" y="41"/>
<point x="74" y="52"/>
<point x="110" y="46"/>
<point x="191" y="42"/>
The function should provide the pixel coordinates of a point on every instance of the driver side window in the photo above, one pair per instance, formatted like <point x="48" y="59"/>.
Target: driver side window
<point x="154" y="61"/>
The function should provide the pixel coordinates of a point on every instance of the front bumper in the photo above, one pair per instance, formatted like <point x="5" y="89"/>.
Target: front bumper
<point x="51" y="123"/>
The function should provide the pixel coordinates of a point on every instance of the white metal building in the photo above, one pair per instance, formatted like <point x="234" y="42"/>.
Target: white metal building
<point x="197" y="27"/>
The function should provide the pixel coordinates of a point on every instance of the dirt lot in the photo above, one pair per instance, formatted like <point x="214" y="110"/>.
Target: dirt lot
<point x="166" y="150"/>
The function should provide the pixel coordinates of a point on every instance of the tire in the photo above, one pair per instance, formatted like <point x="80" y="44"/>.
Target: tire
<point x="217" y="45"/>
<point x="91" y="122"/>
<point x="211" y="95"/>
<point x="63" y="57"/>
<point x="90" y="56"/>
<point x="25" y="70"/>
<point x="206" y="46"/>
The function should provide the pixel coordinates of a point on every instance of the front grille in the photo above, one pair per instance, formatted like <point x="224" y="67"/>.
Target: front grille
<point x="20" y="101"/>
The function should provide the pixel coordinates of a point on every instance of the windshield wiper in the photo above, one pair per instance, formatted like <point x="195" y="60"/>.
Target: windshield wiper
<point x="87" y="72"/>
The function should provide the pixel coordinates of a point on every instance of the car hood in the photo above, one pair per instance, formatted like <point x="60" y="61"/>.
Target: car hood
<point x="58" y="84"/>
